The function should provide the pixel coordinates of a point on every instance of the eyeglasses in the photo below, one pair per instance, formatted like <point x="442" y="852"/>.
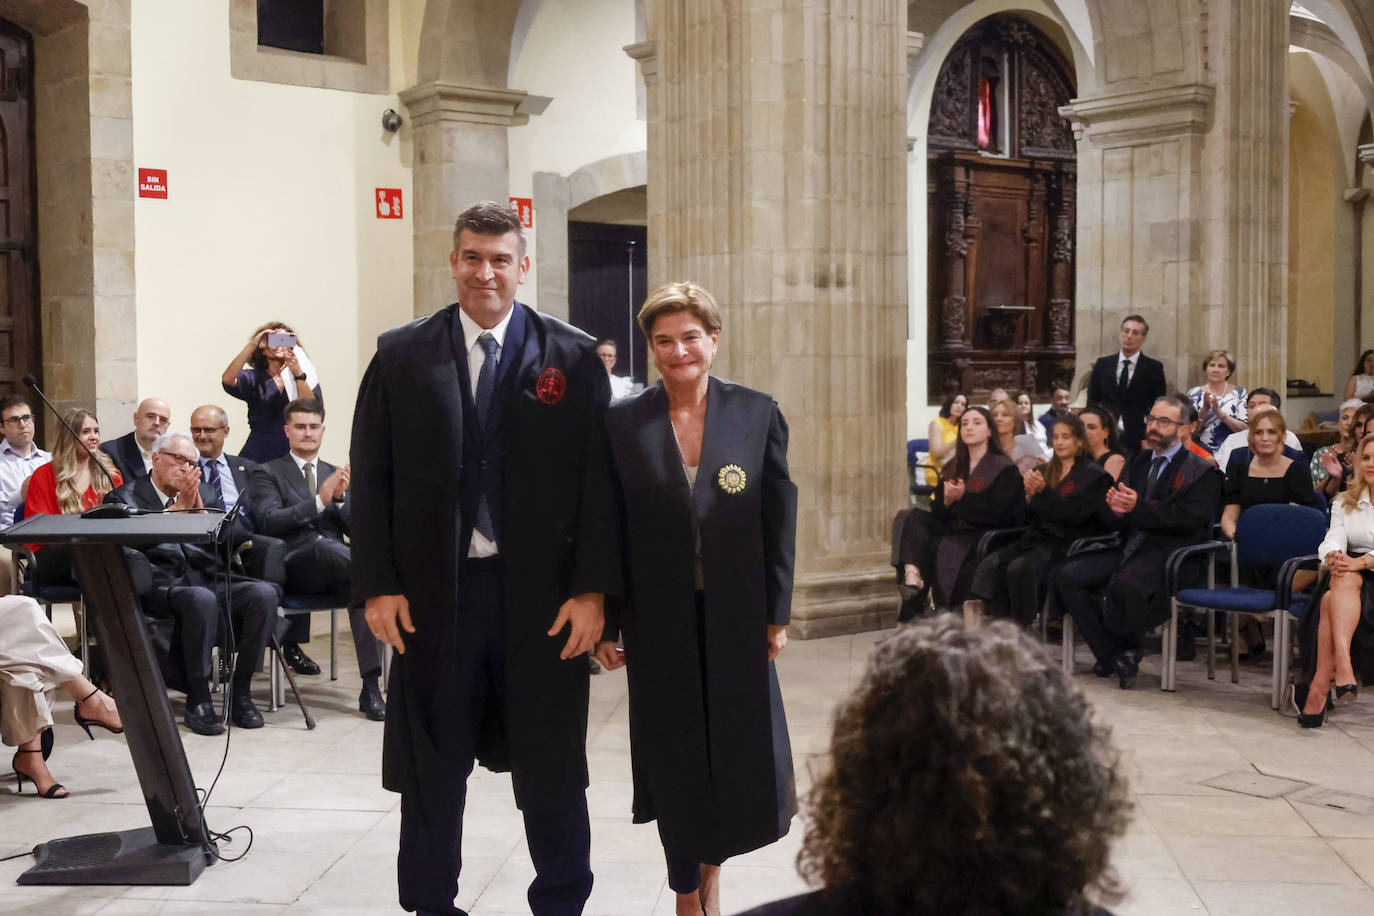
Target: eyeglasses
<point x="1151" y="420"/>
<point x="20" y="420"/>
<point x="206" y="430"/>
<point x="181" y="460"/>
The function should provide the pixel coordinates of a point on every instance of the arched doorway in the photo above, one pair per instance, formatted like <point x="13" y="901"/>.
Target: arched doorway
<point x="1001" y="182"/>
<point x="608" y="273"/>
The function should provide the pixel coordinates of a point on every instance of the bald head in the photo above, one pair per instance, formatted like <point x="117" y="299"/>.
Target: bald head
<point x="150" y="421"/>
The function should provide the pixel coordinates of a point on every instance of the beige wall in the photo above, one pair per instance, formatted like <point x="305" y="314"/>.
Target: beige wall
<point x="269" y="215"/>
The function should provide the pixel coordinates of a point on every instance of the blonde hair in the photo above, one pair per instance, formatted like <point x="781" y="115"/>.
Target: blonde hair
<point x="69" y="499"/>
<point x="679" y="297"/>
<point x="1359" y="486"/>
<point x="1273" y="415"/>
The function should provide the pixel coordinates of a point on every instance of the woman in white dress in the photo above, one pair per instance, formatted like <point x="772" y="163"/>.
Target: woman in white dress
<point x="34" y="663"/>
<point x="1220" y="405"/>
<point x="1361" y="382"/>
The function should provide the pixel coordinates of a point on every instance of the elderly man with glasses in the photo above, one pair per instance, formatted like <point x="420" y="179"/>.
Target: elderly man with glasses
<point x="1166" y="498"/>
<point x="20" y="456"/>
<point x="193" y="585"/>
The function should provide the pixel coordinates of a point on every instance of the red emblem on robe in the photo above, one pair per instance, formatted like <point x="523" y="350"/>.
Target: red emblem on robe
<point x="1177" y="482"/>
<point x="976" y="485"/>
<point x="551" y="386"/>
<point x="1067" y="488"/>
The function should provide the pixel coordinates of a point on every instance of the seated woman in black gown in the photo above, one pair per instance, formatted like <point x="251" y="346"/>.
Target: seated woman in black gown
<point x="1100" y="426"/>
<point x="966" y="776"/>
<point x="1265" y="475"/>
<point x="1066" y="497"/>
<point x="980" y="490"/>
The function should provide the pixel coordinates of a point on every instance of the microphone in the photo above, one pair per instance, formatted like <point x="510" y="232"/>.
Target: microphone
<point x="32" y="383"/>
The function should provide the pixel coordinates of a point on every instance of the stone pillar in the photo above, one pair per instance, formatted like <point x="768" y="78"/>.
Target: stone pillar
<point x="551" y="243"/>
<point x="1364" y="315"/>
<point x="1182" y="205"/>
<point x="776" y="178"/>
<point x="461" y="156"/>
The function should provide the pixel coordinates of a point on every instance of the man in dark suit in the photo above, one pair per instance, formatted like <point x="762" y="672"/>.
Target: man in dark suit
<point x="1059" y="405"/>
<point x="486" y="538"/>
<point x="303" y="500"/>
<point x="1166" y="499"/>
<point x="1128" y="383"/>
<point x="193" y="586"/>
<point x="133" y="452"/>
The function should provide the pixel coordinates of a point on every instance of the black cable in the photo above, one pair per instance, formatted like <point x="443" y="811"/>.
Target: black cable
<point x="34" y="852"/>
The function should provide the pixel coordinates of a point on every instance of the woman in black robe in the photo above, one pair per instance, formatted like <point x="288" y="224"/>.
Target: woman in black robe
<point x="1066" y="498"/>
<point x="980" y="490"/>
<point x="710" y="526"/>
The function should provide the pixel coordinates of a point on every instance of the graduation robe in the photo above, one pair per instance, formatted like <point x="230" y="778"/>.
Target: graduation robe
<point x="711" y="757"/>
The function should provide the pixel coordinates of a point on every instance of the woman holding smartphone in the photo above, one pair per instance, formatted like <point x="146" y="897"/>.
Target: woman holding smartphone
<point x="267" y="374"/>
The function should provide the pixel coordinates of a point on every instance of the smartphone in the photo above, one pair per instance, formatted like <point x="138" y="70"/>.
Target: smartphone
<point x="281" y="340"/>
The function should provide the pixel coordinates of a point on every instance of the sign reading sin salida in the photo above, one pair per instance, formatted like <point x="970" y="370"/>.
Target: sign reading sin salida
<point x="152" y="183"/>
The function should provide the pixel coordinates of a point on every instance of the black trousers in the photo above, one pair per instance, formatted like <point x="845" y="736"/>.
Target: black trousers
<point x="430" y="858"/>
<point x="319" y="568"/>
<point x="1133" y="589"/>
<point x="198" y="611"/>
<point x="1012" y="581"/>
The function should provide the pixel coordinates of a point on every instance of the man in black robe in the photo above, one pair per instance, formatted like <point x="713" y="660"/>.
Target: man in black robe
<point x="479" y="434"/>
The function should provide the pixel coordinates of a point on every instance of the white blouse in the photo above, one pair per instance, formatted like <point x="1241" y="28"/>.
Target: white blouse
<point x="1352" y="530"/>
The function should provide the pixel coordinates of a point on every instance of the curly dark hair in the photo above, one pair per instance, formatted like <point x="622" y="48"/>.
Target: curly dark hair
<point x="966" y="776"/>
<point x="259" y="360"/>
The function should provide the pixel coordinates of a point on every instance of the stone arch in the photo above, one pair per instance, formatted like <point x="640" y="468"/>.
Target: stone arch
<point x="467" y="41"/>
<point x="557" y="194"/>
<point x="1137" y="43"/>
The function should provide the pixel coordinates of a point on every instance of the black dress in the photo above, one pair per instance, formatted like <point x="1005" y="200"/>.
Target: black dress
<point x="1242" y="489"/>
<point x="1012" y="581"/>
<point x="1105" y="456"/>
<point x="941" y="543"/>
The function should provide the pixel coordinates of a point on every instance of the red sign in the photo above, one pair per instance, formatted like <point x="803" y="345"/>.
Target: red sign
<point x="525" y="207"/>
<point x="388" y="203"/>
<point x="152" y="183"/>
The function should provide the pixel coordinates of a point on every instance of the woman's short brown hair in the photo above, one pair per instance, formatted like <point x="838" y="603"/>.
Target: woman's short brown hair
<point x="679" y="297"/>
<point x="1220" y="354"/>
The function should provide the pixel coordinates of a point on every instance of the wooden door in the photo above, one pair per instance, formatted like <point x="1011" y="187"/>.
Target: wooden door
<point x="19" y="343"/>
<point x="607" y="283"/>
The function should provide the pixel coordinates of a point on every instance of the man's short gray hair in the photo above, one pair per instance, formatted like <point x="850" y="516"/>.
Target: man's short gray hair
<point x="163" y="441"/>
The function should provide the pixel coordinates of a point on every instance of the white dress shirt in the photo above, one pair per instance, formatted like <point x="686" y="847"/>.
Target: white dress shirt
<point x="227" y="487"/>
<point x="1242" y="440"/>
<point x="315" y="462"/>
<point x="481" y="545"/>
<point x="1352" y="530"/>
<point x="14" y="470"/>
<point x="1131" y="361"/>
<point x="622" y="386"/>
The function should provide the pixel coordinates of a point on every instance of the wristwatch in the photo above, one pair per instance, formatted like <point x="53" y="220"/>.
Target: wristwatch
<point x="301" y="377"/>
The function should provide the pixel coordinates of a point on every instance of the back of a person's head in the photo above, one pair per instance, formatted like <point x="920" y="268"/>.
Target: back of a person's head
<point x="966" y="777"/>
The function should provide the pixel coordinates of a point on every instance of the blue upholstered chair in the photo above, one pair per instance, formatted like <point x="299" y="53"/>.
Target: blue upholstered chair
<point x="1274" y="536"/>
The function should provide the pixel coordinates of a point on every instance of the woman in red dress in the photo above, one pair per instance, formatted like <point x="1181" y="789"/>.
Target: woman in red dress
<point x="69" y="485"/>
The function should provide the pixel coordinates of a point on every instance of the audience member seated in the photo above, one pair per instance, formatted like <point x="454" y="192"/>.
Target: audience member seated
<point x="1059" y="405"/>
<point x="1332" y="465"/>
<point x="194" y="586"/>
<point x="20" y="456"/>
<point x="1066" y="500"/>
<point x="133" y="452"/>
<point x="68" y="485"/>
<point x="622" y="386"/>
<point x="1220" y="405"/>
<point x="266" y="378"/>
<point x="1264" y="475"/>
<point x="1362" y="424"/>
<point x="943" y="434"/>
<point x="1100" y="427"/>
<point x="1026" y="423"/>
<point x="1259" y="399"/>
<point x="303" y="501"/>
<point x="34" y="665"/>
<point x="227" y="475"/>
<point x="997" y="396"/>
<point x="1185" y="433"/>
<point x="1360" y="385"/>
<point x="980" y="490"/>
<point x="1006" y="797"/>
<point x="1339" y="636"/>
<point x="1166" y="499"/>
<point x="1022" y="450"/>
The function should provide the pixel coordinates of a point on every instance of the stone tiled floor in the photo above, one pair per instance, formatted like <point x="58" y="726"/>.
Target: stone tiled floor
<point x="325" y="831"/>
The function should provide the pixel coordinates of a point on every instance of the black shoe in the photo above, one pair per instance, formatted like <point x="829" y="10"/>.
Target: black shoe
<point x="1187" y="645"/>
<point x="1346" y="694"/>
<point x="1126" y="670"/>
<point x="244" y="714"/>
<point x="298" y="660"/>
<point x="1105" y="669"/>
<point x="201" y="719"/>
<point x="370" y="702"/>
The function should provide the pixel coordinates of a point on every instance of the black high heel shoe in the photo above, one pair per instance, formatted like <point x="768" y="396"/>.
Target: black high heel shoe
<point x="1346" y="694"/>
<point x="87" y="723"/>
<point x="19" y="777"/>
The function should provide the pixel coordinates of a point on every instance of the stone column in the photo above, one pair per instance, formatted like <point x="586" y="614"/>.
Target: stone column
<point x="776" y="178"/>
<point x="461" y="156"/>
<point x="1364" y="315"/>
<point x="1182" y="205"/>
